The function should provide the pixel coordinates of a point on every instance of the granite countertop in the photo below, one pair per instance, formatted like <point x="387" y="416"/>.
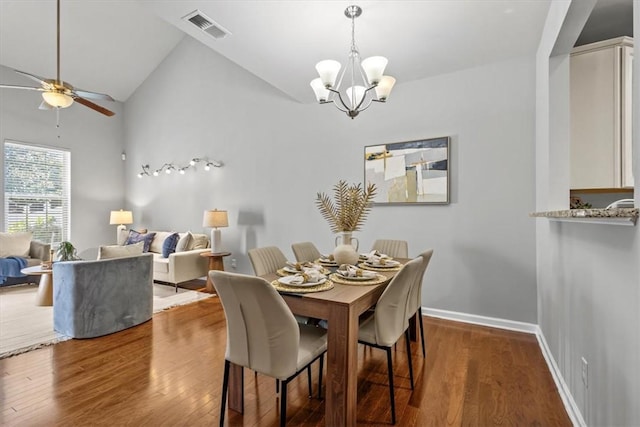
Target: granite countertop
<point x="617" y="215"/>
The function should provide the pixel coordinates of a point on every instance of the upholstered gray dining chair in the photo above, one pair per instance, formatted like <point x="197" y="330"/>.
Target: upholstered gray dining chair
<point x="414" y="304"/>
<point x="263" y="335"/>
<point x="389" y="321"/>
<point x="393" y="248"/>
<point x="305" y="252"/>
<point x="266" y="260"/>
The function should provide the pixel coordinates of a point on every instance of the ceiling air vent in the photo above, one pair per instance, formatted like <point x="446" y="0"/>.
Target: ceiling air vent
<point x="206" y="24"/>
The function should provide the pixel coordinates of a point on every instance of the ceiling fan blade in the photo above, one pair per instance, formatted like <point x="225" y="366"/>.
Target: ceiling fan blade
<point x="93" y="106"/>
<point x="21" y="87"/>
<point x="93" y="95"/>
<point x="44" y="82"/>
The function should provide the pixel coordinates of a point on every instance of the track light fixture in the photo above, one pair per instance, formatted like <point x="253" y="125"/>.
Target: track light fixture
<point x="168" y="168"/>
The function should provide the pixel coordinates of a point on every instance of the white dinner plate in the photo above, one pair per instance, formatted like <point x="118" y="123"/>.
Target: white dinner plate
<point x="388" y="264"/>
<point x="290" y="269"/>
<point x="288" y="279"/>
<point x="356" y="278"/>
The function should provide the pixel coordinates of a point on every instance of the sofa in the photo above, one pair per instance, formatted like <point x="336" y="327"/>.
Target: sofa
<point x="21" y="244"/>
<point x="181" y="265"/>
<point x="95" y="298"/>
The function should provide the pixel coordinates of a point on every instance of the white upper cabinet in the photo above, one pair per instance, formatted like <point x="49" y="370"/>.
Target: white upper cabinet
<point x="601" y="114"/>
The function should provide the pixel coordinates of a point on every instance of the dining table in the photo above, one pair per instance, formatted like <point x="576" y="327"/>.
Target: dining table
<point x="341" y="307"/>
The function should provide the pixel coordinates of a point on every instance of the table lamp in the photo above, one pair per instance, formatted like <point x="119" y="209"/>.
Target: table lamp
<point x="215" y="219"/>
<point x="120" y="217"/>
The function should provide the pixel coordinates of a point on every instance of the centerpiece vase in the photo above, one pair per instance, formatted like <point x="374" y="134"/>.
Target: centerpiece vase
<point x="346" y="252"/>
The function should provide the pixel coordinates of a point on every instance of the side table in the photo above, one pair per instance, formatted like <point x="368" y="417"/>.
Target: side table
<point x="45" y="288"/>
<point x="215" y="263"/>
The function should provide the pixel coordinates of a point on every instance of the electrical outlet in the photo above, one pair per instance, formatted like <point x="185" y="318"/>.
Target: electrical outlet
<point x="585" y="373"/>
<point x="234" y="264"/>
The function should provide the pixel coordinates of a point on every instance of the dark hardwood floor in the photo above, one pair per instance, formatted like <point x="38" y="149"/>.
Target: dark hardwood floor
<point x="168" y="371"/>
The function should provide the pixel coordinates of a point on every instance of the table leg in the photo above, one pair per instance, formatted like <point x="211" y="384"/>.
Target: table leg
<point x="342" y="367"/>
<point x="44" y="296"/>
<point x="236" y="388"/>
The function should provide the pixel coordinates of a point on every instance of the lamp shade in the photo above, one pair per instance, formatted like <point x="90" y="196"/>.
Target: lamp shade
<point x="57" y="99"/>
<point x="328" y="71"/>
<point x="383" y="90"/>
<point x="374" y="68"/>
<point x="355" y="94"/>
<point x="215" y="218"/>
<point x="322" y="93"/>
<point x="121" y="217"/>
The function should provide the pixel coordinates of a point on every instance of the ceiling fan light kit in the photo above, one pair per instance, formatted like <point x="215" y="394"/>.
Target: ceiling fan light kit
<point x="57" y="93"/>
<point x="363" y="76"/>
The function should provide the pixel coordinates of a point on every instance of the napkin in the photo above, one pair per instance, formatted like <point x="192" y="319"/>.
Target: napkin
<point x="311" y="276"/>
<point x="304" y="267"/>
<point x="374" y="257"/>
<point x="347" y="270"/>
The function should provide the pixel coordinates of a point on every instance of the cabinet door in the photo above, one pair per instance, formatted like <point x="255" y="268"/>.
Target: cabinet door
<point x="595" y="123"/>
<point x="627" y="118"/>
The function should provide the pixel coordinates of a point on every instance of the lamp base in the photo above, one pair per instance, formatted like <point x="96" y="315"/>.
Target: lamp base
<point x="216" y="241"/>
<point x="120" y="239"/>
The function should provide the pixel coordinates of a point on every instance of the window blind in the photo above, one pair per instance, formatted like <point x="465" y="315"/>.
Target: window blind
<point x="37" y="191"/>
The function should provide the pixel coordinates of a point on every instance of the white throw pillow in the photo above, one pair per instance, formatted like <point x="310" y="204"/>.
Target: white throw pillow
<point x="15" y="244"/>
<point x="185" y="242"/>
<point x="117" y="251"/>
<point x="199" y="241"/>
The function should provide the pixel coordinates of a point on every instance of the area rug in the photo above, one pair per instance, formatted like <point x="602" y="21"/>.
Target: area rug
<point x="25" y="326"/>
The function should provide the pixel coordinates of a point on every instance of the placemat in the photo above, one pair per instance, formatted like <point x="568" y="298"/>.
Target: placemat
<point x="375" y="281"/>
<point x="302" y="290"/>
<point x="372" y="268"/>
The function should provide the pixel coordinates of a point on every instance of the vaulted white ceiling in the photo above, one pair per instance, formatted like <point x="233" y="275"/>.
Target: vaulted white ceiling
<point x="111" y="46"/>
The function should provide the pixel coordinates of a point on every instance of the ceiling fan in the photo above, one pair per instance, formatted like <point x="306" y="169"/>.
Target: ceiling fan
<point x="60" y="94"/>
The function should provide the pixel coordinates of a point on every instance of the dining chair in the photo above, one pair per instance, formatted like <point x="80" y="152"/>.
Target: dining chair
<point x="393" y="248"/>
<point x="305" y="251"/>
<point x="266" y="260"/>
<point x="414" y="304"/>
<point x="389" y="321"/>
<point x="263" y="335"/>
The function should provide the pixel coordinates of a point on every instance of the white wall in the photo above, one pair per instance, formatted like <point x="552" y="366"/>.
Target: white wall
<point x="96" y="143"/>
<point x="279" y="153"/>
<point x="588" y="275"/>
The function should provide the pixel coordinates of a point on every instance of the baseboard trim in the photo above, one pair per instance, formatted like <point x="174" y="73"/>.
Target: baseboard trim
<point x="530" y="328"/>
<point x="563" y="389"/>
<point x="494" y="322"/>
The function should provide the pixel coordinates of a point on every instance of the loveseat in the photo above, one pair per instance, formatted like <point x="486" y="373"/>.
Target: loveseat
<point x="95" y="298"/>
<point x="184" y="264"/>
<point x="21" y="244"/>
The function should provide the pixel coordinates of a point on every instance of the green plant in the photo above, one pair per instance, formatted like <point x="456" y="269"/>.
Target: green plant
<point x="66" y="252"/>
<point x="350" y="207"/>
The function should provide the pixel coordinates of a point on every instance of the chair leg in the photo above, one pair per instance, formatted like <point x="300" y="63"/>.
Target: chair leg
<point x="424" y="353"/>
<point x="277" y="386"/>
<point x="407" y="338"/>
<point x="225" y="385"/>
<point x="320" y="377"/>
<point x="283" y="404"/>
<point x="391" y="394"/>
<point x="309" y="381"/>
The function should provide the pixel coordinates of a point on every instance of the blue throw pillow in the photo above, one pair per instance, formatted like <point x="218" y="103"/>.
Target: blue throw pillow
<point x="169" y="245"/>
<point x="135" y="237"/>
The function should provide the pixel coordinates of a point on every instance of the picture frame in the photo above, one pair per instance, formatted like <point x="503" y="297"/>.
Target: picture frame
<point x="410" y="172"/>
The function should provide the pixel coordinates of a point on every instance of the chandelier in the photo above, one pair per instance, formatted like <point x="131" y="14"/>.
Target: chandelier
<point x="363" y="77"/>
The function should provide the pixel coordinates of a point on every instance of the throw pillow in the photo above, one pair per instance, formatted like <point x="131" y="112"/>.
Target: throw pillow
<point x="199" y="241"/>
<point x="117" y="251"/>
<point x="135" y="237"/>
<point x="184" y="242"/>
<point x="169" y="245"/>
<point x="15" y="244"/>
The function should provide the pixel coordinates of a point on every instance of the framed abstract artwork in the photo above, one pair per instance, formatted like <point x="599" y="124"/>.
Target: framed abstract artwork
<point x="411" y="172"/>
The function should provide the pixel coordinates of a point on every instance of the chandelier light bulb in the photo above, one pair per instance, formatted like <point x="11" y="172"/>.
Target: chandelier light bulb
<point x="383" y="90"/>
<point x="181" y="171"/>
<point x="192" y="162"/>
<point x="322" y="93"/>
<point x="374" y="68"/>
<point x="207" y="167"/>
<point x="328" y="71"/>
<point x="156" y="173"/>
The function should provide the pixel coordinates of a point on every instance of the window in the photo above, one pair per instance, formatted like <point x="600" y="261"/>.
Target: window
<point x="37" y="191"/>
